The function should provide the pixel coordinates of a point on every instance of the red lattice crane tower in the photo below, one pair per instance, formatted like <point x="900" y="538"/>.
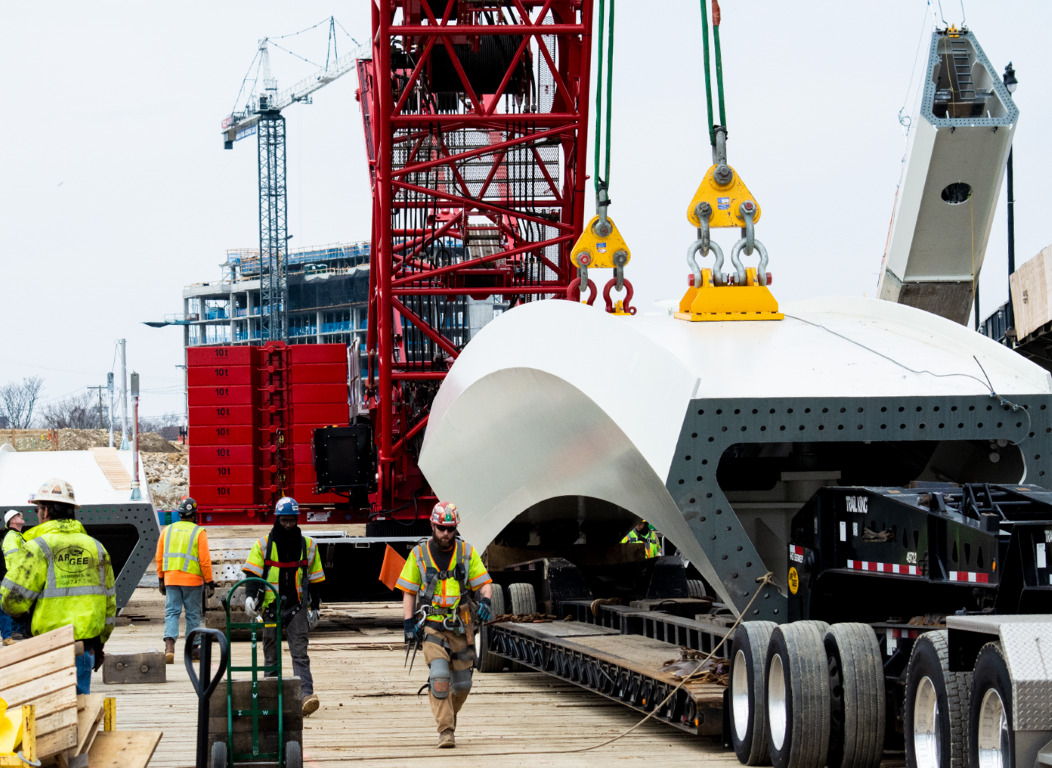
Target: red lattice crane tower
<point x="476" y="118"/>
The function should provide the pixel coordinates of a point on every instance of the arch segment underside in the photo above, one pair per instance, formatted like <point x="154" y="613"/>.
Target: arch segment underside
<point x="718" y="436"/>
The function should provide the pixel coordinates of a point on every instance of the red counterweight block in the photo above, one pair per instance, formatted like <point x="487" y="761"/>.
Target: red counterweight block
<point x="222" y="403"/>
<point x="253" y="412"/>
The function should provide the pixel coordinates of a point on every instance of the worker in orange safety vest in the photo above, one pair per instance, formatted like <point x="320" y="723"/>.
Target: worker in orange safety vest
<point x="184" y="572"/>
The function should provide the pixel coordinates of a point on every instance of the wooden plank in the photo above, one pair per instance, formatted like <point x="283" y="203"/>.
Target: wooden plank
<point x="56" y="742"/>
<point x="64" y="718"/>
<point x="290" y="722"/>
<point x="125" y="749"/>
<point x="267" y="696"/>
<point x="64" y="682"/>
<point x="90" y="709"/>
<point x="35" y="646"/>
<point x="39" y="666"/>
<point x="51" y="702"/>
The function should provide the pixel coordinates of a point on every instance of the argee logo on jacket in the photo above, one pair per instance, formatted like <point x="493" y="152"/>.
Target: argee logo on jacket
<point x="73" y="560"/>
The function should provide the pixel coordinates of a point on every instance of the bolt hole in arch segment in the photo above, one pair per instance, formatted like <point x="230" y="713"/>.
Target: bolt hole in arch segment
<point x="717" y="433"/>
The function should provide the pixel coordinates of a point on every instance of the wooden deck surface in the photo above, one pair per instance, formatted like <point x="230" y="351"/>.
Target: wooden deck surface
<point x="371" y="713"/>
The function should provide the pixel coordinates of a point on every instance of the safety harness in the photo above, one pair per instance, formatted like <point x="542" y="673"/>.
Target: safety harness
<point x="430" y="576"/>
<point x="303" y="564"/>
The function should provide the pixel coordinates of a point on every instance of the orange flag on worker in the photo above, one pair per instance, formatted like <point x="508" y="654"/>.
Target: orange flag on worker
<point x="391" y="568"/>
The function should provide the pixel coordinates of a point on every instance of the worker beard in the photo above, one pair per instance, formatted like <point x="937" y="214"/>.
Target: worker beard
<point x="288" y="542"/>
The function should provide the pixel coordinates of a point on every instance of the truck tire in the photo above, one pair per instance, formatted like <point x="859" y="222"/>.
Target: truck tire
<point x="936" y="707"/>
<point x="695" y="588"/>
<point x="856" y="689"/>
<point x="293" y="754"/>
<point x="523" y="599"/>
<point x="991" y="738"/>
<point x="797" y="693"/>
<point x="219" y="755"/>
<point x="487" y="660"/>
<point x="748" y="710"/>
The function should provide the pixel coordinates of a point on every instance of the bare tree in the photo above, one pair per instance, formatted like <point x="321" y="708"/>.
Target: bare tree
<point x="76" y="412"/>
<point x="17" y="401"/>
<point x="166" y="425"/>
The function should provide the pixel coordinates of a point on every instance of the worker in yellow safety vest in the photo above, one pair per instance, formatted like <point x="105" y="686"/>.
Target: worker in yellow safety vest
<point x="12" y="545"/>
<point x="184" y="571"/>
<point x="439" y="580"/>
<point x="644" y="533"/>
<point x="64" y="576"/>
<point x="288" y="560"/>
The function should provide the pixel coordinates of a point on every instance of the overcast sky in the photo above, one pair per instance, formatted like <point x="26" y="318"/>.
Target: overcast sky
<point x="117" y="192"/>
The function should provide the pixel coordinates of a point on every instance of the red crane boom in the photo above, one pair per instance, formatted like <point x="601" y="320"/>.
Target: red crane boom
<point x="476" y="117"/>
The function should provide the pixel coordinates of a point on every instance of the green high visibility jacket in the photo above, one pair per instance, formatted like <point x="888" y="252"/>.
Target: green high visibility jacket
<point x="66" y="577"/>
<point x="308" y="567"/>
<point x="14" y="543"/>
<point x="649" y="540"/>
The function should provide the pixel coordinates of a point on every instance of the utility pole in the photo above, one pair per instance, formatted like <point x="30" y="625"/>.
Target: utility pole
<point x="99" y="388"/>
<point x="125" y="445"/>
<point x="109" y="387"/>
<point x="136" y="493"/>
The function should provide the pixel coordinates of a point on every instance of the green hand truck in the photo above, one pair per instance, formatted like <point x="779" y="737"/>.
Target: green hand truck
<point x="289" y="754"/>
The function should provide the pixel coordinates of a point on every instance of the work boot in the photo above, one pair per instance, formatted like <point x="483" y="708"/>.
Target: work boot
<point x="310" y="705"/>
<point x="169" y="650"/>
<point x="446" y="740"/>
<point x="195" y="654"/>
<point x="9" y="641"/>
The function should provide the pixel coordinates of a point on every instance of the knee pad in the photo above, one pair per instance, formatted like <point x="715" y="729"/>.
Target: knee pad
<point x="461" y="680"/>
<point x="439" y="678"/>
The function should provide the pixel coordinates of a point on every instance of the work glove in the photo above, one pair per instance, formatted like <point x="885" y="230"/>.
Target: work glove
<point x="485" y="609"/>
<point x="410" y="630"/>
<point x="252" y="607"/>
<point x="100" y="657"/>
<point x="210" y="589"/>
<point x="313" y="617"/>
<point x="161" y="589"/>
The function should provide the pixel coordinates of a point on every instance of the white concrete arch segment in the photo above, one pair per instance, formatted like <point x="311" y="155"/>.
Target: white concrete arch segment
<point x="545" y="402"/>
<point x="558" y="399"/>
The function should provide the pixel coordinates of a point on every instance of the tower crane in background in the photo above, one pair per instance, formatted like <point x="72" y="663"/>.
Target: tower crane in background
<point x="262" y="115"/>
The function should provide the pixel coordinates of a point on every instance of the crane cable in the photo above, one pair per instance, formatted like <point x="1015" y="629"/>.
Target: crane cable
<point x="602" y="180"/>
<point x="719" y="65"/>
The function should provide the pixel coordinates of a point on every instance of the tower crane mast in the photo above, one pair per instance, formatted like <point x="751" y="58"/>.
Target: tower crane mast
<point x="262" y="115"/>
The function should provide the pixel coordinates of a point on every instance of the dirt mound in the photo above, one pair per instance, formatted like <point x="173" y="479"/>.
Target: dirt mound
<point x="83" y="439"/>
<point x="168" y="474"/>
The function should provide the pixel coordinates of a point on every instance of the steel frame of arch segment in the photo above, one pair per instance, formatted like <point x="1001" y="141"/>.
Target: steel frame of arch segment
<point x="273" y="228"/>
<point x="478" y="163"/>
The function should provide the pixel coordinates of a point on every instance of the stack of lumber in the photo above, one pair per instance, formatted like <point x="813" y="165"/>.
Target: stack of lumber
<point x="70" y="729"/>
<point x="40" y="671"/>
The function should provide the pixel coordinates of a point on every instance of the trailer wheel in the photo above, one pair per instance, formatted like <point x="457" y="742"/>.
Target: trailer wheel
<point x="748" y="715"/>
<point x="293" y="754"/>
<point x="936" y="707"/>
<point x="695" y="588"/>
<point x="856" y="689"/>
<point x="523" y="602"/>
<point x="990" y="729"/>
<point x="219" y="755"/>
<point x="798" y="695"/>
<point x="486" y="660"/>
<point x="523" y="599"/>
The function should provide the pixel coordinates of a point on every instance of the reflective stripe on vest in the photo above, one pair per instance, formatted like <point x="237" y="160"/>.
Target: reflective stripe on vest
<point x="430" y="576"/>
<point x="187" y="559"/>
<point x="51" y="589"/>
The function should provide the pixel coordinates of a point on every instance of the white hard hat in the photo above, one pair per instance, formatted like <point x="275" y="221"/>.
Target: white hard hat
<point x="55" y="489"/>
<point x="10" y="514"/>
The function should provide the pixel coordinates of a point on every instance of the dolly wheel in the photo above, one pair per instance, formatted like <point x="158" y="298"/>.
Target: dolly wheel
<point x="293" y="755"/>
<point x="219" y="755"/>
